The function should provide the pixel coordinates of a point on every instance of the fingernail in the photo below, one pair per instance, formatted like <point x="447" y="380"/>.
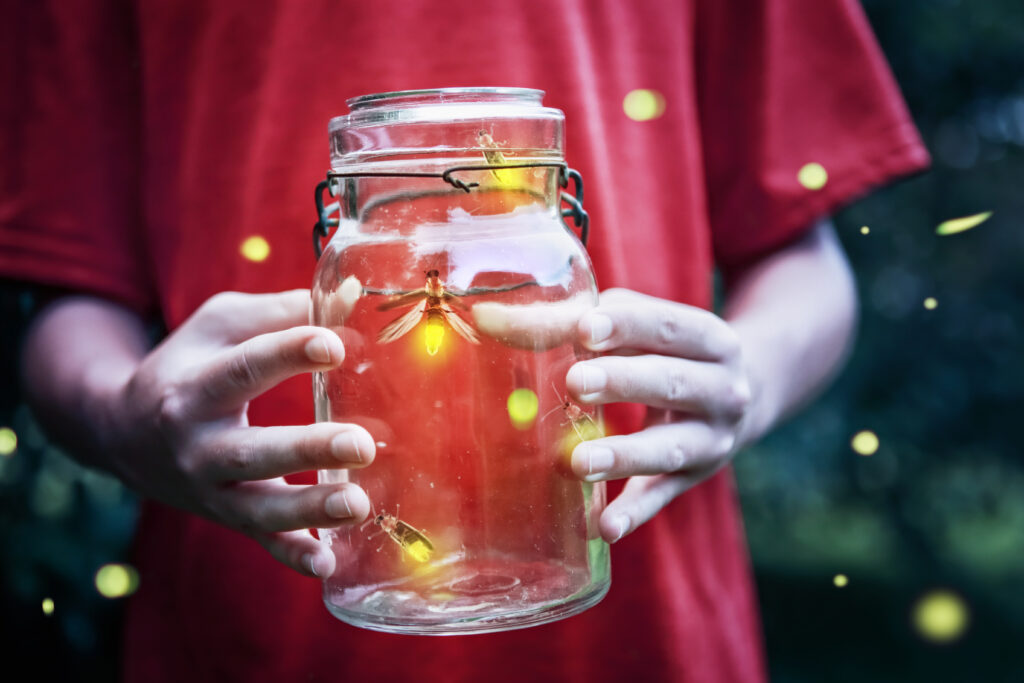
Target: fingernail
<point x="599" y="461"/>
<point x="344" y="445"/>
<point x="337" y="506"/>
<point x="593" y="379"/>
<point x="307" y="563"/>
<point x="621" y="524"/>
<point x="318" y="351"/>
<point x="600" y="327"/>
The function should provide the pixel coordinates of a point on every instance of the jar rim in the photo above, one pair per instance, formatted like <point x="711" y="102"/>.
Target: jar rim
<point x="525" y="95"/>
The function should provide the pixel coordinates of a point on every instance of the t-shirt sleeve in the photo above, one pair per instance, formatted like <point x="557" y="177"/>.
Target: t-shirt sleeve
<point x="69" y="188"/>
<point x="784" y="84"/>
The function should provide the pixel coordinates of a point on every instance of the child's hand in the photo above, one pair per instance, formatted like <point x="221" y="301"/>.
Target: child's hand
<point x="178" y="430"/>
<point x="680" y="359"/>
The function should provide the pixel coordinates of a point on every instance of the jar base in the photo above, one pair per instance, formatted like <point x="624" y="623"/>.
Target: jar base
<point x="474" y="602"/>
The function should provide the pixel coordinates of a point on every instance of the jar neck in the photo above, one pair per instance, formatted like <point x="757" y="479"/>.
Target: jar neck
<point x="432" y="128"/>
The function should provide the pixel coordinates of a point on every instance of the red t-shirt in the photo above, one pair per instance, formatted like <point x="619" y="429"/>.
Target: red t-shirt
<point x="143" y="142"/>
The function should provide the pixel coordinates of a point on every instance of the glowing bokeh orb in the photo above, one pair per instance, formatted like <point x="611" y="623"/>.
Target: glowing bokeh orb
<point x="47" y="606"/>
<point x="955" y="225"/>
<point x="643" y="105"/>
<point x="522" y="408"/>
<point x="813" y="176"/>
<point x="116" y="580"/>
<point x="864" y="442"/>
<point x="255" y="249"/>
<point x="930" y="303"/>
<point x="840" y="580"/>
<point x="940" y="616"/>
<point x="8" y="441"/>
<point x="864" y="230"/>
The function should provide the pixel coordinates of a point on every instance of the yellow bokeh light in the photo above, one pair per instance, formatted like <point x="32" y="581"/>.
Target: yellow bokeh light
<point x="255" y="249"/>
<point x="522" y="408"/>
<point x="955" y="225"/>
<point x="840" y="580"/>
<point x="433" y="335"/>
<point x="864" y="442"/>
<point x="813" y="176"/>
<point x="8" y="441"/>
<point x="418" y="550"/>
<point x="930" y="303"/>
<point x="864" y="230"/>
<point x="941" y="616"/>
<point x="116" y="580"/>
<point x="643" y="105"/>
<point x="47" y="606"/>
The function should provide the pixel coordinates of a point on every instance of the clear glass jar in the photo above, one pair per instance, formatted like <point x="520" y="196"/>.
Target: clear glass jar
<point x="457" y="292"/>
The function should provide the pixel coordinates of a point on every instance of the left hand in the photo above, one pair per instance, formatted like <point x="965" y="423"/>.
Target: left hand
<point x="686" y="364"/>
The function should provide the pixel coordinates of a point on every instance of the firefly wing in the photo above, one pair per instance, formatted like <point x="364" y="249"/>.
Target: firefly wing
<point x="402" y="299"/>
<point x="477" y="291"/>
<point x="399" y="327"/>
<point x="464" y="329"/>
<point x="410" y="534"/>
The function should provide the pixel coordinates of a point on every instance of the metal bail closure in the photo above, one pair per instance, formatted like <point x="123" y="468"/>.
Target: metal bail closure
<point x="325" y="214"/>
<point x="327" y="218"/>
<point x="575" y="202"/>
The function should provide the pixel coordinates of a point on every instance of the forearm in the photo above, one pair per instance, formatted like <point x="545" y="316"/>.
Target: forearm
<point x="79" y="353"/>
<point x="795" y="313"/>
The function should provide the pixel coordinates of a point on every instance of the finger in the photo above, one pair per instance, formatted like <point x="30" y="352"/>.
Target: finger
<point x="233" y="316"/>
<point x="655" y="450"/>
<point x="661" y="382"/>
<point x="634" y="321"/>
<point x="642" y="498"/>
<point x="249" y="453"/>
<point x="300" y="551"/>
<point x="240" y="373"/>
<point x="536" y="326"/>
<point x="272" y="506"/>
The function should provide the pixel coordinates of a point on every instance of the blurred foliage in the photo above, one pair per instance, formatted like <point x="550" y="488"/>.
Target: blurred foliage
<point x="939" y="505"/>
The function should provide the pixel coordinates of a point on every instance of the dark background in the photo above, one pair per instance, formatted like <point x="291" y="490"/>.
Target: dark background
<point x="939" y="506"/>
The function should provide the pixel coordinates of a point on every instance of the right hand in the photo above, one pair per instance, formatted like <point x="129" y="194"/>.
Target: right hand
<point x="179" y="432"/>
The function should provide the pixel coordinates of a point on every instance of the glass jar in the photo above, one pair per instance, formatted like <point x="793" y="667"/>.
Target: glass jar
<point x="457" y="289"/>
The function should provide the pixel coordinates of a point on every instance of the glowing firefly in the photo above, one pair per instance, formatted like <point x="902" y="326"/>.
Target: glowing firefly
<point x="436" y="305"/>
<point x="413" y="541"/>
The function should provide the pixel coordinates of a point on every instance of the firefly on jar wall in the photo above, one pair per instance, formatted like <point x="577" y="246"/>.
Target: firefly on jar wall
<point x="434" y="301"/>
<point x="582" y="423"/>
<point x="410" y="539"/>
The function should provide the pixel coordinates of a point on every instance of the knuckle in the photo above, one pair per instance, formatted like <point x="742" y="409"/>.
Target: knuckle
<point x="240" y="370"/>
<point x="725" y="444"/>
<point x="242" y="458"/>
<point x="667" y="329"/>
<point x="738" y="397"/>
<point x="257" y="520"/>
<point x="677" y="386"/>
<point x="172" y="410"/>
<point x="221" y="303"/>
<point x="675" y="458"/>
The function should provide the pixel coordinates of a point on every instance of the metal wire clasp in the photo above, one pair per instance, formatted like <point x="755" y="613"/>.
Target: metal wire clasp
<point x="327" y="215"/>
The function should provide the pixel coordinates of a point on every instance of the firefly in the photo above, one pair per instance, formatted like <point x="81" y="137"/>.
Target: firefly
<point x="411" y="540"/>
<point x="436" y="305"/>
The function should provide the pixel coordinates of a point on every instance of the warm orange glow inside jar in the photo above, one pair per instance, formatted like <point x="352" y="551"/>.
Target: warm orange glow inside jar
<point x="456" y="288"/>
